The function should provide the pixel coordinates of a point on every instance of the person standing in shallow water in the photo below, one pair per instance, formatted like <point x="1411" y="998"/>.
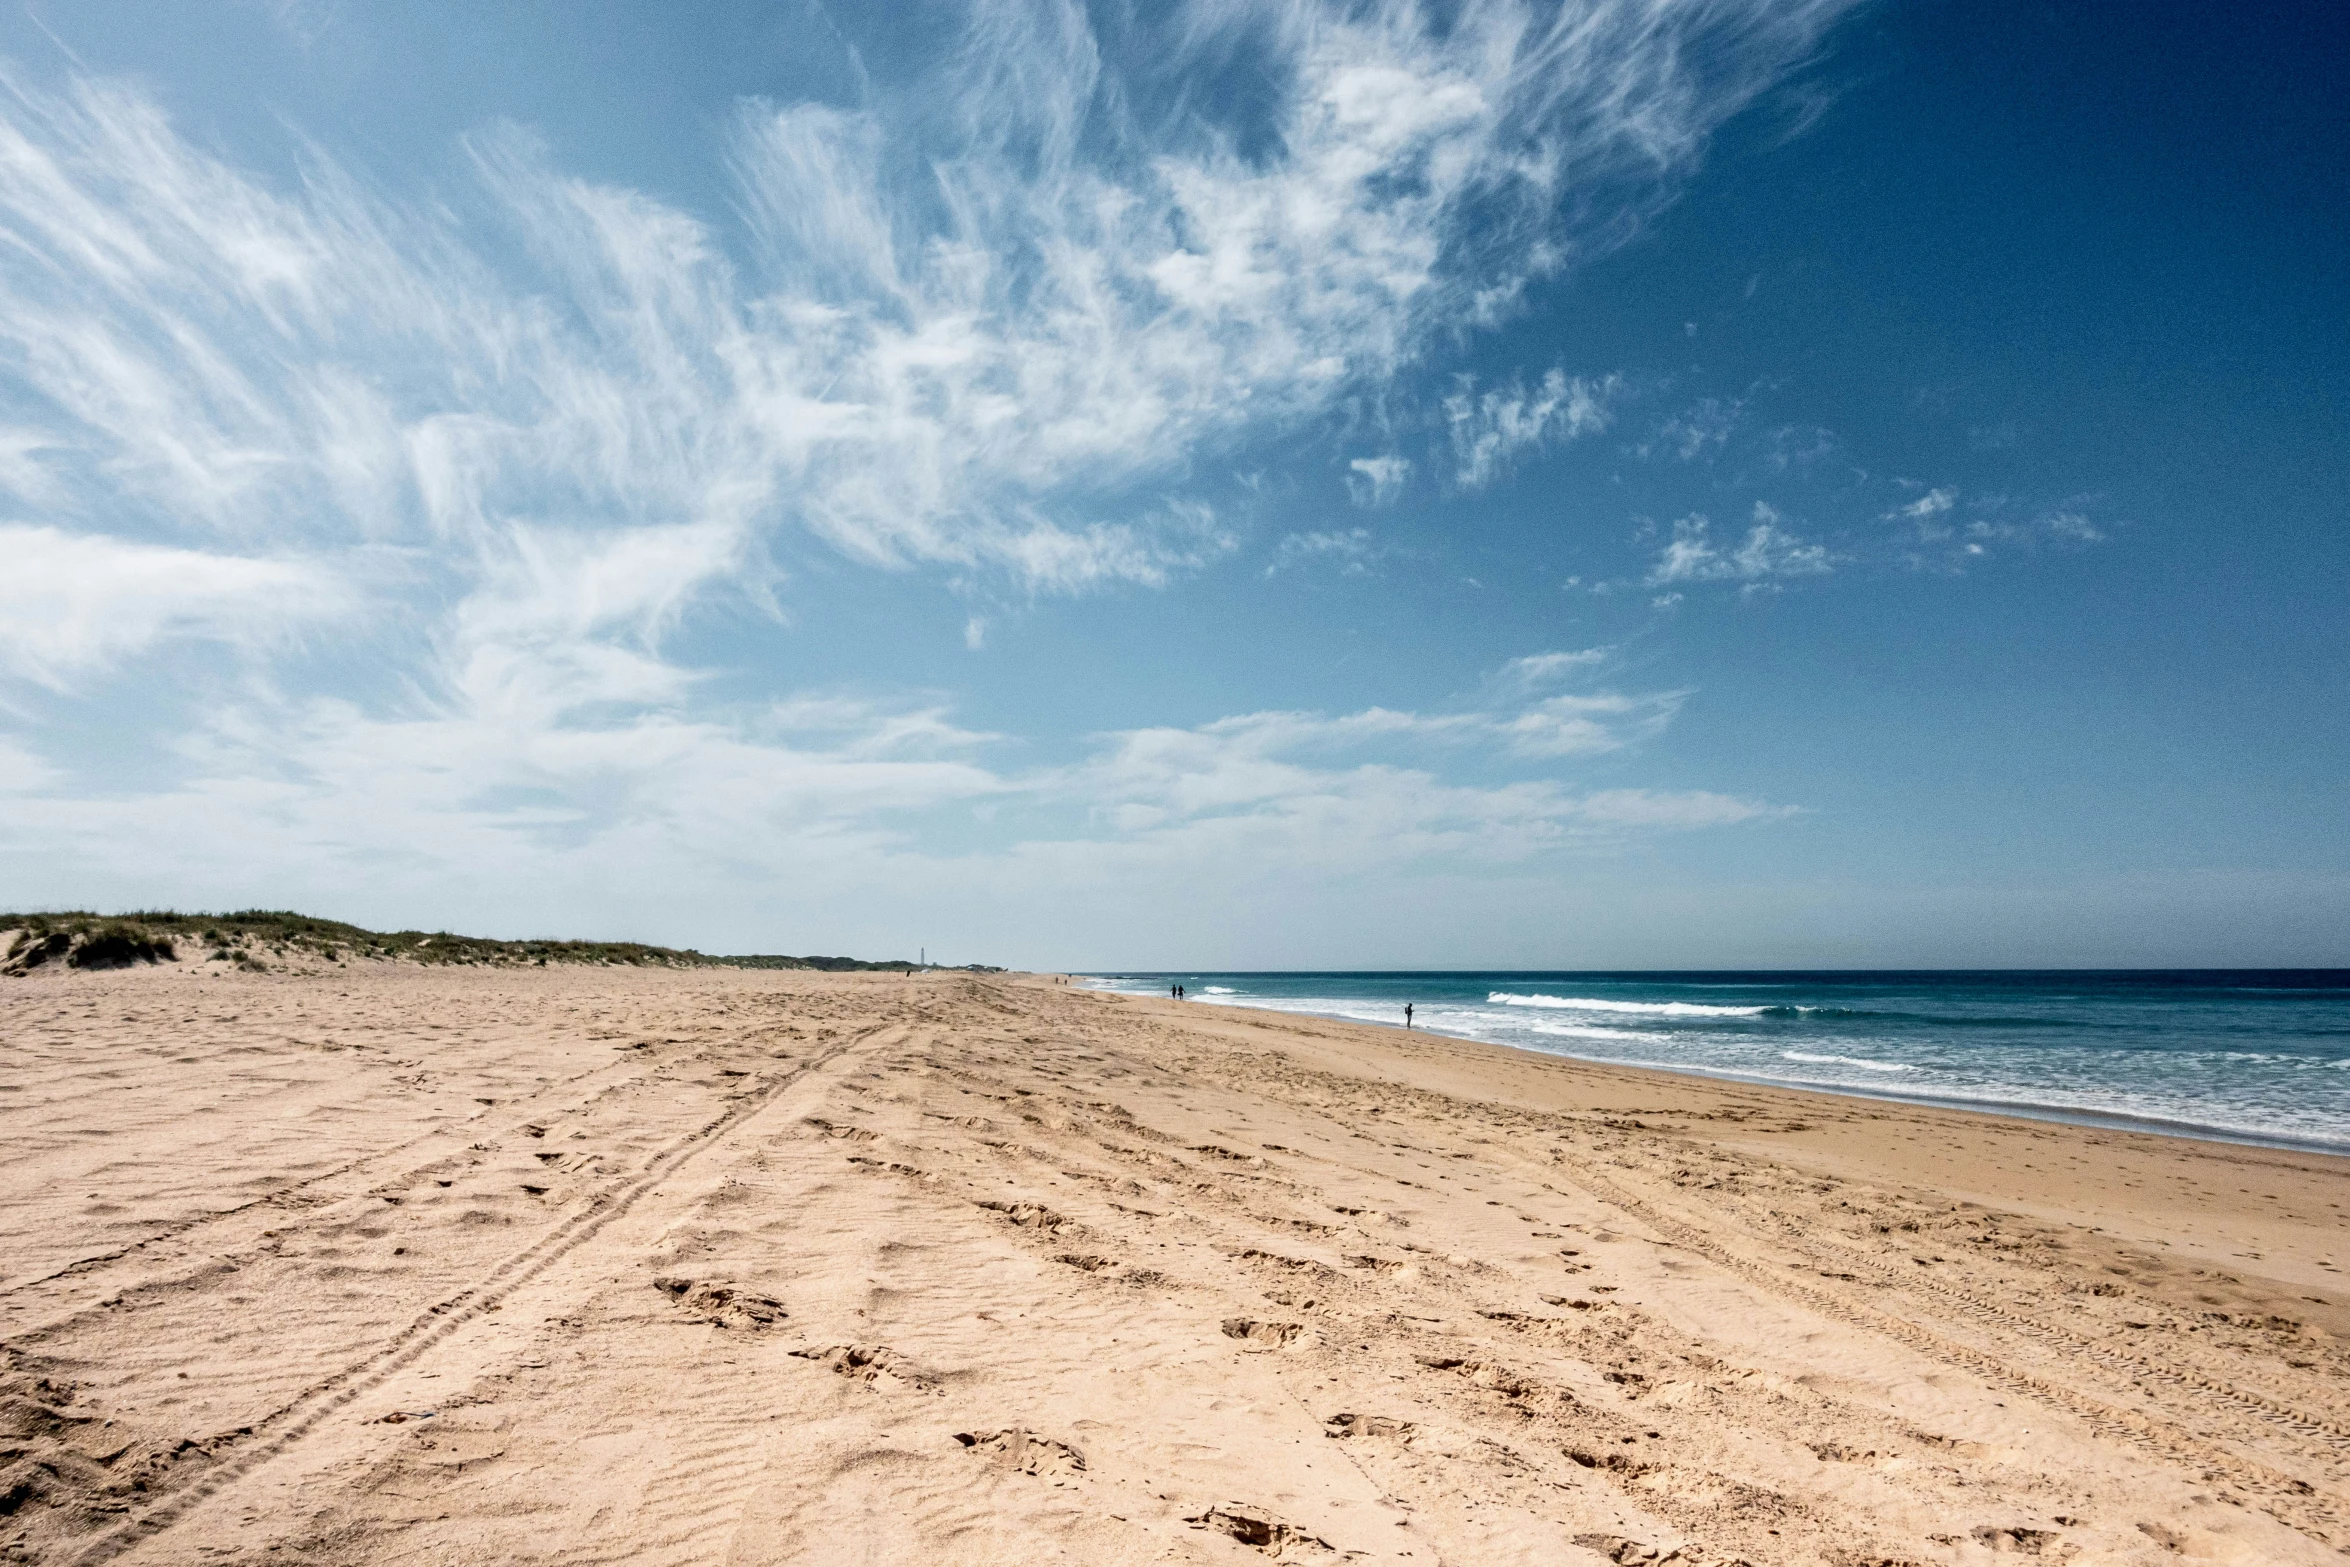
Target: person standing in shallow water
<point x="1407" y="1014"/>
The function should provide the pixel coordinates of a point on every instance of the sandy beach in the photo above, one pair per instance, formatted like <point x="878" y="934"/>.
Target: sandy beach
<point x="379" y="1263"/>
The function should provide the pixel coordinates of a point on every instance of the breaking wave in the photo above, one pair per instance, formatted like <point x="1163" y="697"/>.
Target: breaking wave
<point x="1503" y="998"/>
<point x="1866" y="1066"/>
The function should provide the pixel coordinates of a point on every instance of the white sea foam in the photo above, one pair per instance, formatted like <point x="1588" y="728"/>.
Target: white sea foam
<point x="1866" y="1066"/>
<point x="1353" y="1009"/>
<point x="1503" y="998"/>
<point x="1590" y="1031"/>
<point x="2241" y="1087"/>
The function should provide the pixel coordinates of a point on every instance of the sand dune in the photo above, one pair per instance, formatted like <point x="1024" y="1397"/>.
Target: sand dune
<point x="381" y="1264"/>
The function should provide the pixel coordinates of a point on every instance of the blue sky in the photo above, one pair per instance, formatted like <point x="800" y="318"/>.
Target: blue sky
<point x="1226" y="484"/>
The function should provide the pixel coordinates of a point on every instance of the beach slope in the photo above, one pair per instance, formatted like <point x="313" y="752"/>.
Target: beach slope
<point x="389" y="1264"/>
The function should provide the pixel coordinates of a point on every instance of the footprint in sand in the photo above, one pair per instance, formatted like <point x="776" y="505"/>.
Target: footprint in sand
<point x="721" y="1304"/>
<point x="1295" y="1264"/>
<point x="1253" y="1526"/>
<point x="1622" y="1464"/>
<point x="1636" y="1553"/>
<point x="454" y="1448"/>
<point x="1866" y="1457"/>
<point x="2017" y="1540"/>
<point x="1986" y="1452"/>
<point x="1027" y="1453"/>
<point x="876" y="1365"/>
<point x="891" y="1165"/>
<point x="1266" y="1335"/>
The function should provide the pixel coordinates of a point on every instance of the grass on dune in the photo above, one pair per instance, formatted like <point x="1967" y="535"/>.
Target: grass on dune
<point x="252" y="938"/>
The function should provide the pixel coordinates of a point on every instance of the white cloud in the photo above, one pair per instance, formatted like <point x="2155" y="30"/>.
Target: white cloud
<point x="1704" y="426"/>
<point x="1587" y="725"/>
<point x="1924" y="512"/>
<point x="1377" y="480"/>
<point x="511" y="439"/>
<point x="1683" y="811"/>
<point x="1351" y="548"/>
<point x="1490" y="429"/>
<point x="71" y="603"/>
<point x="1537" y="671"/>
<point x="2070" y="527"/>
<point x="1799" y="448"/>
<point x="1690" y="555"/>
<point x="1368" y="784"/>
<point x="2059" y="526"/>
<point x="1941" y="539"/>
<point x="24" y="772"/>
<point x="976" y="381"/>
<point x="835" y="793"/>
<point x="1768" y="551"/>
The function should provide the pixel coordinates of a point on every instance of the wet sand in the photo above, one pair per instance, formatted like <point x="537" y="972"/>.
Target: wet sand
<point x="389" y="1264"/>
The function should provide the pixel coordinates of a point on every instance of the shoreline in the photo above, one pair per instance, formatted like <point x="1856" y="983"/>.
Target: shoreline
<point x="392" y="1264"/>
<point x="2054" y="1113"/>
<point x="1929" y="1122"/>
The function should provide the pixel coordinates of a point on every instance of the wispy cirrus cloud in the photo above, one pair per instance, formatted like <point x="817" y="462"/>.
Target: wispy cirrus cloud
<point x="838" y="788"/>
<point x="74" y="603"/>
<point x="1936" y="529"/>
<point x="1767" y="552"/>
<point x="1491" y="429"/>
<point x="987" y="324"/>
<point x="1697" y="431"/>
<point x="1238" y="759"/>
<point x="969" y="383"/>
<point x="1927" y="511"/>
<point x="1943" y="533"/>
<point x="1381" y="785"/>
<point x="1537" y="672"/>
<point x="1351" y="549"/>
<point x="1375" y="481"/>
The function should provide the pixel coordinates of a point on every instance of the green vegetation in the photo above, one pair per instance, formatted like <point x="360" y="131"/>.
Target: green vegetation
<point x="250" y="939"/>
<point x="81" y="941"/>
<point x="828" y="965"/>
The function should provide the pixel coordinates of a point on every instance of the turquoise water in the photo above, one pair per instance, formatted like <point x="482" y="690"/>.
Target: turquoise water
<point x="2259" y="1055"/>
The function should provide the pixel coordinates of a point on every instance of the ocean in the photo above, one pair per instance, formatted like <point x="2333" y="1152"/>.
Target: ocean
<point x="2259" y="1056"/>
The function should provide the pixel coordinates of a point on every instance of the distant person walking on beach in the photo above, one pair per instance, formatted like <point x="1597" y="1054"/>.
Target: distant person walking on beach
<point x="1407" y="1014"/>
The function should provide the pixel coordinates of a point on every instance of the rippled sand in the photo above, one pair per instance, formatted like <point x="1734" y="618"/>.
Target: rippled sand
<point x="387" y="1264"/>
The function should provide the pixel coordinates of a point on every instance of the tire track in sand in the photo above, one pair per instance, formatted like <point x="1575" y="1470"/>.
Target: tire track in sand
<point x="2319" y="1430"/>
<point x="575" y="1094"/>
<point x="2293" y="1502"/>
<point x="2316" y="1436"/>
<point x="290" y="1425"/>
<point x="2321" y="1437"/>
